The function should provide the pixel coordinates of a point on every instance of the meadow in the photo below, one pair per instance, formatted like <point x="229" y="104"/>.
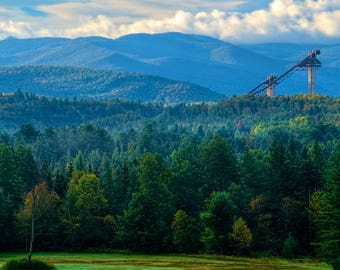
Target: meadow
<point x="95" y="261"/>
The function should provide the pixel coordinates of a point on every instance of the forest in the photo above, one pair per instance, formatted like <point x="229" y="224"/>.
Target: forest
<point x="69" y="82"/>
<point x="245" y="176"/>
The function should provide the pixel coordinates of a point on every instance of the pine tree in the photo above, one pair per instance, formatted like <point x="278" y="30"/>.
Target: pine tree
<point x="78" y="162"/>
<point x="329" y="218"/>
<point x="219" y="165"/>
<point x="27" y="168"/>
<point x="145" y="224"/>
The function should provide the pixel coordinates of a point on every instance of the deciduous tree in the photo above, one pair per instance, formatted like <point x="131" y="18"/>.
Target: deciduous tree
<point x="217" y="221"/>
<point x="39" y="214"/>
<point x="85" y="209"/>
<point x="186" y="232"/>
<point x="241" y="236"/>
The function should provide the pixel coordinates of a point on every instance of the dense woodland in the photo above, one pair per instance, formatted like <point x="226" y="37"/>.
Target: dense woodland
<point x="69" y="82"/>
<point x="246" y="175"/>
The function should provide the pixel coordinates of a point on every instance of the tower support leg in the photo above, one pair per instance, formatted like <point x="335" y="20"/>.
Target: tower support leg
<point x="270" y="90"/>
<point x="312" y="80"/>
<point x="271" y="85"/>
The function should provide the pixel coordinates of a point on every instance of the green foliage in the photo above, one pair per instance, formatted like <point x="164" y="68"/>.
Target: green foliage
<point x="158" y="178"/>
<point x="241" y="236"/>
<point x="41" y="204"/>
<point x="22" y="264"/>
<point x="69" y="82"/>
<point x="217" y="220"/>
<point x="9" y="178"/>
<point x="289" y="249"/>
<point x="11" y="193"/>
<point x="84" y="210"/>
<point x="4" y="218"/>
<point x="186" y="233"/>
<point x="122" y="189"/>
<point x="329" y="215"/>
<point x="262" y="220"/>
<point x="219" y="166"/>
<point x="185" y="181"/>
<point x="145" y="224"/>
<point x="253" y="172"/>
<point x="27" y="133"/>
<point x="27" y="169"/>
<point x="78" y="162"/>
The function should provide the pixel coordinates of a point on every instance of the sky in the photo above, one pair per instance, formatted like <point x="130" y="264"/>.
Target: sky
<point x="237" y="21"/>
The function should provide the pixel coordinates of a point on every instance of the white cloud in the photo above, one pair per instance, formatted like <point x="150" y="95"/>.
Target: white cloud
<point x="327" y="23"/>
<point x="281" y="20"/>
<point x="12" y="28"/>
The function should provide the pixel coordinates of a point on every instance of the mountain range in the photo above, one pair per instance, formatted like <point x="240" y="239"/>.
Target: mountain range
<point x="220" y="66"/>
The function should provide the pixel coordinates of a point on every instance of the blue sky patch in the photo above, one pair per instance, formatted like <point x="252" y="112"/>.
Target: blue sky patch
<point x="33" y="12"/>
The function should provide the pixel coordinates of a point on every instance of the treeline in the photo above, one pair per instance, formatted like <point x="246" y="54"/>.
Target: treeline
<point x="202" y="197"/>
<point x="247" y="119"/>
<point x="188" y="178"/>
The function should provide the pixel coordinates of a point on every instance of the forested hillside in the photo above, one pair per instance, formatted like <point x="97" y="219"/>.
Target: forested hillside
<point x="82" y="83"/>
<point x="245" y="175"/>
<point x="218" y="65"/>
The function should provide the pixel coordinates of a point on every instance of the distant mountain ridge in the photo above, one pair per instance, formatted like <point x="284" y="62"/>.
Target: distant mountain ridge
<point x="212" y="63"/>
<point x="86" y="83"/>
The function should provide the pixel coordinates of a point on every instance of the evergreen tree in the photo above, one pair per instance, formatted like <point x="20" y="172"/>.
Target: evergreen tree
<point x="312" y="173"/>
<point x="185" y="179"/>
<point x="11" y="189"/>
<point x="289" y="249"/>
<point x="6" y="226"/>
<point x="107" y="181"/>
<point x="10" y="182"/>
<point x="276" y="191"/>
<point x="59" y="183"/>
<point x="27" y="167"/>
<point x="329" y="217"/>
<point x="121" y="190"/>
<point x="253" y="172"/>
<point x="219" y="165"/>
<point x="79" y="162"/>
<point x="145" y="225"/>
<point x="276" y="186"/>
<point x="27" y="133"/>
<point x="316" y="164"/>
<point x="292" y="169"/>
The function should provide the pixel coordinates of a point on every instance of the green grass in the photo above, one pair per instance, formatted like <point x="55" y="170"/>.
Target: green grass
<point x="93" y="261"/>
<point x="22" y="264"/>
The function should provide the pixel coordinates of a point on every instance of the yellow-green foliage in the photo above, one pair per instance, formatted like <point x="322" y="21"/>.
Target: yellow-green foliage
<point x="241" y="236"/>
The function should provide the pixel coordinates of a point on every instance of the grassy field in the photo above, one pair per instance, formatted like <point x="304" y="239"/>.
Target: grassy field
<point x="90" y="261"/>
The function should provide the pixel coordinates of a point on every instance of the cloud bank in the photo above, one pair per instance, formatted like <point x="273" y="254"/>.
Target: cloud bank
<point x="280" y="21"/>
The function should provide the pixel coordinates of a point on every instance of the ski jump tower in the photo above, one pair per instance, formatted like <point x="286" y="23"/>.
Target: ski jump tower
<point x="310" y="63"/>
